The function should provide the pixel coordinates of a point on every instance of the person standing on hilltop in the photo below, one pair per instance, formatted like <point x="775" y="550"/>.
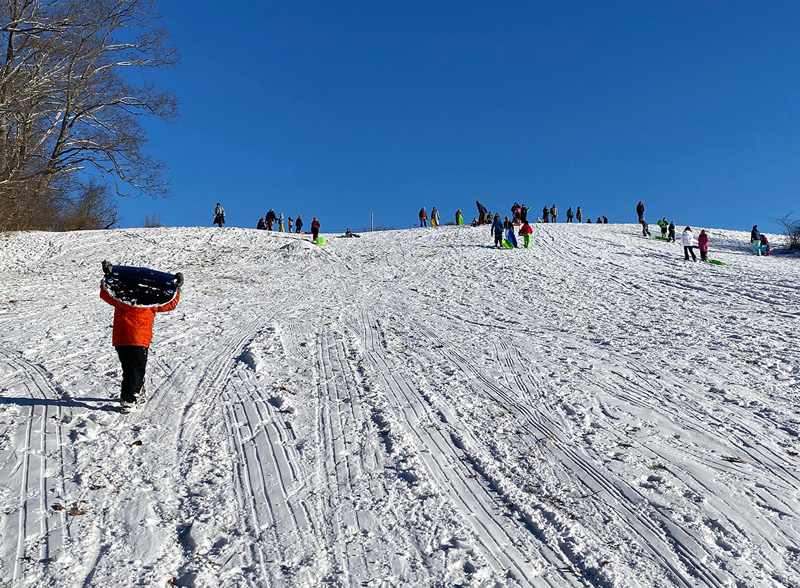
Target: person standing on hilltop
<point x="291" y="222"/>
<point x="434" y="217"/>
<point x="270" y="218"/>
<point x="523" y="214"/>
<point x="755" y="240"/>
<point x="459" y="218"/>
<point x="686" y="240"/>
<point x="482" y="212"/>
<point x="702" y="245"/>
<point x="570" y="215"/>
<point x="545" y="214"/>
<point x="578" y="214"/>
<point x="671" y="228"/>
<point x="314" y="229"/>
<point x="280" y="223"/>
<point x="497" y="231"/>
<point x="663" y="226"/>
<point x="640" y="211"/>
<point x="553" y="212"/>
<point x="219" y="215"/>
<point x="299" y="224"/>
<point x="525" y="232"/>
<point x="423" y="218"/>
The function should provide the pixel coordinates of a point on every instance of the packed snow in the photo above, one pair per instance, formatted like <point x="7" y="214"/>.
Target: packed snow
<point x="409" y="408"/>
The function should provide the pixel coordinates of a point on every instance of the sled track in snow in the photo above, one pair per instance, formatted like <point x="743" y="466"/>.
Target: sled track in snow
<point x="500" y="534"/>
<point x="38" y="439"/>
<point x="656" y="532"/>
<point x="302" y="510"/>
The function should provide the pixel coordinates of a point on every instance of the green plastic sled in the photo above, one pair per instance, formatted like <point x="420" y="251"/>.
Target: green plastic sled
<point x="662" y="238"/>
<point x="320" y="241"/>
<point x="716" y="262"/>
<point x="507" y="244"/>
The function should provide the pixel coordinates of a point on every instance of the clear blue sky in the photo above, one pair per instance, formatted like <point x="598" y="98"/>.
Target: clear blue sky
<point x="333" y="109"/>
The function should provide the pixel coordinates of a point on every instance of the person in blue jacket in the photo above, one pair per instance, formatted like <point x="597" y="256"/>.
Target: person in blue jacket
<point x="497" y="230"/>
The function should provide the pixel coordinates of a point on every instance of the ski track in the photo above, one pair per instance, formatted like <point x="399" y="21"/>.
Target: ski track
<point x="410" y="408"/>
<point x="35" y="466"/>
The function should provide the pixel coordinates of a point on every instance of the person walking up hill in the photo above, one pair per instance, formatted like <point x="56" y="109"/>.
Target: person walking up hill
<point x="131" y="336"/>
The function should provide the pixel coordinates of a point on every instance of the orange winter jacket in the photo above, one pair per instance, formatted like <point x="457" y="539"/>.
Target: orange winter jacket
<point x="133" y="325"/>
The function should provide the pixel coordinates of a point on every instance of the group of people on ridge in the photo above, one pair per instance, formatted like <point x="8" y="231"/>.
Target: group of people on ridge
<point x="520" y="215"/>
<point x="267" y="222"/>
<point x="758" y="241"/>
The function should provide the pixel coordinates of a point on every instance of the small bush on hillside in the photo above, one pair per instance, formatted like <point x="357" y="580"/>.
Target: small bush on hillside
<point x="791" y="230"/>
<point x="152" y="221"/>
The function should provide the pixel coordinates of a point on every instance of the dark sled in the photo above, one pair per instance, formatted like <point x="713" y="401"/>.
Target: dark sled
<point x="140" y="286"/>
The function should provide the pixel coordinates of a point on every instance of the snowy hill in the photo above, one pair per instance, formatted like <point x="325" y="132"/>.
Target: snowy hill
<point x="412" y="408"/>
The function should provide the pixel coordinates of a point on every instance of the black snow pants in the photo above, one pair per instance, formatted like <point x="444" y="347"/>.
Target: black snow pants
<point x="687" y="251"/>
<point x="134" y="364"/>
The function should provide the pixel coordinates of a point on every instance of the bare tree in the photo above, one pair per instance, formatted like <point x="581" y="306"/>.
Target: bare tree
<point x="73" y="88"/>
<point x="791" y="230"/>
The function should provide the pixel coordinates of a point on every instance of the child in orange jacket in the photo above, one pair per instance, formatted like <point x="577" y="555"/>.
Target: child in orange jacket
<point x="132" y="333"/>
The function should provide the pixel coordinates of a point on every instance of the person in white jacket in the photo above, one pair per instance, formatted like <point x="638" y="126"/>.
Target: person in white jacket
<point x="686" y="241"/>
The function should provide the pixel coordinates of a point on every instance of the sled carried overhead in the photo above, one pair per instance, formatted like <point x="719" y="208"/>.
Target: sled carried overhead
<point x="140" y="286"/>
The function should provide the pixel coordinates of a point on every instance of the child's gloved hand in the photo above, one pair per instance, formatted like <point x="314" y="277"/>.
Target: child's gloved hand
<point x="178" y="281"/>
<point x="107" y="267"/>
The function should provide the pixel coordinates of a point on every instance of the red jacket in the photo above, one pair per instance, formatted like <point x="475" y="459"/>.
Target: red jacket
<point x="526" y="230"/>
<point x="315" y="225"/>
<point x="133" y="325"/>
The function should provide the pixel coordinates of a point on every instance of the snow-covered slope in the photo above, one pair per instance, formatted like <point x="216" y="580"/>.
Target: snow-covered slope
<point x="411" y="408"/>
